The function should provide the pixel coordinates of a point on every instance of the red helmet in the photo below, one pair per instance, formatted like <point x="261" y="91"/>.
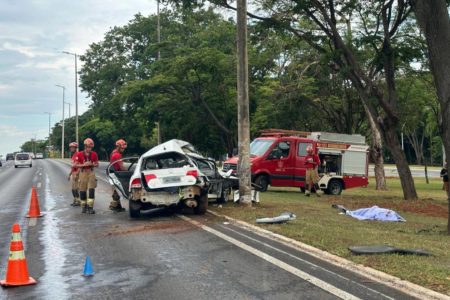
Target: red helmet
<point x="73" y="144"/>
<point x="89" y="142"/>
<point x="121" y="143"/>
<point x="309" y="150"/>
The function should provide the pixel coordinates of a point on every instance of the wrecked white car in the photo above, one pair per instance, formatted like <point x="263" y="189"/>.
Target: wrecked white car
<point x="171" y="175"/>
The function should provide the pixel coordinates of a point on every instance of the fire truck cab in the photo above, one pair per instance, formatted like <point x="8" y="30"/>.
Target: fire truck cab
<point x="278" y="159"/>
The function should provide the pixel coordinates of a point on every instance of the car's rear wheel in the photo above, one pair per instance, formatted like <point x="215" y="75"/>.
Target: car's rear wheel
<point x="31" y="165"/>
<point x="134" y="207"/>
<point x="202" y="204"/>
<point x="15" y="167"/>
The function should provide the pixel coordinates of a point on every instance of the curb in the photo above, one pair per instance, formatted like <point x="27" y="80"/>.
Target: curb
<point x="404" y="286"/>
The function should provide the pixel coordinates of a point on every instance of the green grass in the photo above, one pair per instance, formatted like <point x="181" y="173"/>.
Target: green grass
<point x="321" y="226"/>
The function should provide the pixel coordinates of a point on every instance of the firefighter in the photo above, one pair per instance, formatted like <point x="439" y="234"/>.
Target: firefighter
<point x="312" y="162"/>
<point x="87" y="160"/>
<point x="116" y="154"/>
<point x="74" y="175"/>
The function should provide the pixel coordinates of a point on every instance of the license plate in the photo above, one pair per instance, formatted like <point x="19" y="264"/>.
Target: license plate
<point x="171" y="179"/>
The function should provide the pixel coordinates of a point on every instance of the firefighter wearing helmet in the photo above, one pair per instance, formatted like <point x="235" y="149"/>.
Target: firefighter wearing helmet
<point x="74" y="174"/>
<point x="86" y="161"/>
<point x="118" y="166"/>
<point x="312" y="162"/>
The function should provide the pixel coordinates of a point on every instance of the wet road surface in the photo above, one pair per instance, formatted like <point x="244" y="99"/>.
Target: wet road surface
<point x="156" y="257"/>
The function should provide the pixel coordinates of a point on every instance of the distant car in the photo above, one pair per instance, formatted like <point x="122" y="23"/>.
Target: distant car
<point x="39" y="156"/>
<point x="9" y="156"/>
<point x="23" y="159"/>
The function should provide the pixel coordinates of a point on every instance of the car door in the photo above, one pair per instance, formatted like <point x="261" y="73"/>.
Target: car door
<point x="300" y="170"/>
<point x="278" y="164"/>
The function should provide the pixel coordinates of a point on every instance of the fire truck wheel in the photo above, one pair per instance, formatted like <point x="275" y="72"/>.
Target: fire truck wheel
<point x="302" y="190"/>
<point x="334" y="187"/>
<point x="262" y="183"/>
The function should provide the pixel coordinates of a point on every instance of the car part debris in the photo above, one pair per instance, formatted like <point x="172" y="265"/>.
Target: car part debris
<point x="385" y="249"/>
<point x="283" y="218"/>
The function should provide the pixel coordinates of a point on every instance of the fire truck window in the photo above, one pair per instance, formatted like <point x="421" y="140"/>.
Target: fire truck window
<point x="280" y="150"/>
<point x="302" y="148"/>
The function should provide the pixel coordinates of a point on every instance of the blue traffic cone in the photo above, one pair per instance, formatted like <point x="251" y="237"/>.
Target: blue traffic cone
<point x="88" y="270"/>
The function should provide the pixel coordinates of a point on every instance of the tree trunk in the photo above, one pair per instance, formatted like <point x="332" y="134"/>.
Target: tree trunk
<point x="376" y="152"/>
<point x="244" y="171"/>
<point x="406" y="179"/>
<point x="437" y="34"/>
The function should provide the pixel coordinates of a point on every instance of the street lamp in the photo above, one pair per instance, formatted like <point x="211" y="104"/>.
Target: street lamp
<point x="76" y="92"/>
<point x="62" y="134"/>
<point x="49" y="119"/>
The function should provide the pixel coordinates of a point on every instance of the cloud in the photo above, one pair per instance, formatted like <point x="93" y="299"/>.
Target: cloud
<point x="32" y="35"/>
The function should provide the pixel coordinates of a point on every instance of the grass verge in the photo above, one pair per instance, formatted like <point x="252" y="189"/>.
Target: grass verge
<point x="321" y="226"/>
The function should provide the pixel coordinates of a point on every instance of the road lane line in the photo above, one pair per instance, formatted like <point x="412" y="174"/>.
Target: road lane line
<point x="303" y="275"/>
<point x="32" y="222"/>
<point x="307" y="262"/>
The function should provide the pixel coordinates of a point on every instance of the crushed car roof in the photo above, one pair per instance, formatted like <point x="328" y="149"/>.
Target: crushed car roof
<point x="171" y="146"/>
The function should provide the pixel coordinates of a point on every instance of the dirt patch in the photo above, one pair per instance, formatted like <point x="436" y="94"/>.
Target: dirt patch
<point x="167" y="227"/>
<point x="427" y="207"/>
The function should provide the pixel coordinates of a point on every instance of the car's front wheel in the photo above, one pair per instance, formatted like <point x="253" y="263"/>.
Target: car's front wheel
<point x="134" y="207"/>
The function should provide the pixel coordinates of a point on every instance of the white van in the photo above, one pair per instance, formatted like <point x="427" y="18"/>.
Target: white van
<point x="22" y="159"/>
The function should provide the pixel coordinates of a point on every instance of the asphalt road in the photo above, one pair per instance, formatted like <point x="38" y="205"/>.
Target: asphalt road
<point x="156" y="257"/>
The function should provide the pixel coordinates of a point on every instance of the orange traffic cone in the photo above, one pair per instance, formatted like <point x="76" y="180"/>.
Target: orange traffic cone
<point x="17" y="270"/>
<point x="34" y="211"/>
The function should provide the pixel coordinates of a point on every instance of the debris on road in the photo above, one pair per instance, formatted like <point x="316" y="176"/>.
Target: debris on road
<point x="283" y="218"/>
<point x="384" y="249"/>
<point x="373" y="213"/>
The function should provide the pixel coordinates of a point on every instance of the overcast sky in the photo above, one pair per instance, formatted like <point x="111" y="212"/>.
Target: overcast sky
<point x="32" y="35"/>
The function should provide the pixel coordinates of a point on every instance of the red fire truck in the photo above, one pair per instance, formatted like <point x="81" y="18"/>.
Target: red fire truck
<point x="278" y="159"/>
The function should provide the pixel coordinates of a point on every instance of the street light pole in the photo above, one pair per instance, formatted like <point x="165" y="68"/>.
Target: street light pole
<point x="158" y="29"/>
<point x="62" y="134"/>
<point x="49" y="119"/>
<point x="69" y="108"/>
<point x="76" y="92"/>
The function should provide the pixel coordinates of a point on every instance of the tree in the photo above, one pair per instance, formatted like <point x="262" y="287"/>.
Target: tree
<point x="324" y="26"/>
<point x="436" y="30"/>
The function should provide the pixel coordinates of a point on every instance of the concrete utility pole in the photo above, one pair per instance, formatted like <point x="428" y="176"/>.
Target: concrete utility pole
<point x="76" y="93"/>
<point x="62" y="134"/>
<point x="243" y="169"/>
<point x="49" y="121"/>
<point x="158" y="29"/>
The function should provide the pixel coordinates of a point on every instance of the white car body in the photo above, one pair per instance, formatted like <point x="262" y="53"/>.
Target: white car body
<point x="39" y="156"/>
<point x="169" y="175"/>
<point x="22" y="159"/>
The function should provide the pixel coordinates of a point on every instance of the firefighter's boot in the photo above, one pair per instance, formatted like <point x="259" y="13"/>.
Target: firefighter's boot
<point x="84" y="208"/>
<point x="318" y="190"/>
<point x="90" y="206"/>
<point x="76" y="202"/>
<point x="307" y="190"/>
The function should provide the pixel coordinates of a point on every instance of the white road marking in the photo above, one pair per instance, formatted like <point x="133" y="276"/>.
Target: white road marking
<point x="32" y="222"/>
<point x="303" y="275"/>
<point x="307" y="262"/>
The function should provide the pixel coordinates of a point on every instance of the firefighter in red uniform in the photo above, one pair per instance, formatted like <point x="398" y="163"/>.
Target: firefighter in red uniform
<point x="74" y="175"/>
<point x="87" y="160"/>
<point x="312" y="162"/>
<point x="121" y="145"/>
